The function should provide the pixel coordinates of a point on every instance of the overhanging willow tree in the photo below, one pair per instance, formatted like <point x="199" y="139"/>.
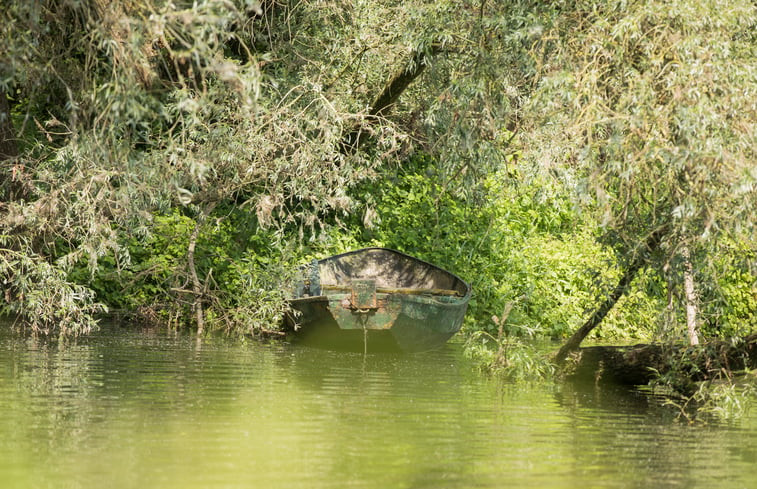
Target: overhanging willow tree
<point x="650" y="107"/>
<point x="126" y="110"/>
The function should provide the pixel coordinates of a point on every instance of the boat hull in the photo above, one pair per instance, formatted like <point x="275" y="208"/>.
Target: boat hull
<point x="404" y="312"/>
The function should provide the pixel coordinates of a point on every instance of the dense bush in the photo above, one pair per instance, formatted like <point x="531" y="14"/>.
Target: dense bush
<point x="245" y="274"/>
<point x="515" y="241"/>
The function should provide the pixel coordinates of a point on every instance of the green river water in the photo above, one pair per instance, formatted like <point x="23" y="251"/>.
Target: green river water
<point x="125" y="409"/>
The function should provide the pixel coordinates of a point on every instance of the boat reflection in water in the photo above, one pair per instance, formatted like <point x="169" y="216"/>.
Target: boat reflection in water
<point x="377" y="299"/>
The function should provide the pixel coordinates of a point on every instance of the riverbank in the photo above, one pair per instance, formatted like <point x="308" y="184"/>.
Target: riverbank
<point x="640" y="364"/>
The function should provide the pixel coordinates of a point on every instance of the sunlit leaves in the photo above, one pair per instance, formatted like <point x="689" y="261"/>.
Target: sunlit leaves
<point x="41" y="292"/>
<point x="129" y="109"/>
<point x="656" y="102"/>
<point x="653" y="104"/>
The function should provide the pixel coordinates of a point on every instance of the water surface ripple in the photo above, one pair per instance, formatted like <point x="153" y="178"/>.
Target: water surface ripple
<point x="124" y="409"/>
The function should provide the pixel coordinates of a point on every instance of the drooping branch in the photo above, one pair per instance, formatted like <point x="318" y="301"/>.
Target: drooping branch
<point x="639" y="261"/>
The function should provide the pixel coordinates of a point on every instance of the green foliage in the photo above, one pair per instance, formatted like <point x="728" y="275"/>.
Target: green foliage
<point x="510" y="358"/>
<point x="730" y="302"/>
<point x="725" y="401"/>
<point x="726" y="395"/>
<point x="244" y="273"/>
<point x="142" y="107"/>
<point x="650" y="102"/>
<point x="41" y="293"/>
<point x="153" y="265"/>
<point x="638" y="314"/>
<point x="150" y="128"/>
<point x="254" y="296"/>
<point x="516" y="242"/>
<point x="736" y="309"/>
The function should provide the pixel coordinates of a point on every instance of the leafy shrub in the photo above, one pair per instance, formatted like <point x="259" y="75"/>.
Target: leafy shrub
<point x="729" y="303"/>
<point x="516" y="241"/>
<point x="41" y="293"/>
<point x="243" y="271"/>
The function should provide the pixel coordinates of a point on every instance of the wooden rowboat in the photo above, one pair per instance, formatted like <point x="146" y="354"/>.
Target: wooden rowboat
<point x="377" y="299"/>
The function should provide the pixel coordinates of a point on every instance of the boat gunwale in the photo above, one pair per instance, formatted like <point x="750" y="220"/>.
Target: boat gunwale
<point x="430" y="299"/>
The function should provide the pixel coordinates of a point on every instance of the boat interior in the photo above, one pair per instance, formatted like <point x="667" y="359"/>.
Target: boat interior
<point x="390" y="270"/>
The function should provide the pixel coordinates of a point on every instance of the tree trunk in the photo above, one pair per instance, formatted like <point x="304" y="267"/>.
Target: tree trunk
<point x="8" y="147"/>
<point x="399" y="83"/>
<point x="197" y="289"/>
<point x="389" y="96"/>
<point x="670" y="311"/>
<point x="652" y="242"/>
<point x="10" y="188"/>
<point x="691" y="298"/>
<point x="575" y="341"/>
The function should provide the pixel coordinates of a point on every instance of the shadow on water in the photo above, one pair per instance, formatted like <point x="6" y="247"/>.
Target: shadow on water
<point x="328" y="336"/>
<point x="574" y="395"/>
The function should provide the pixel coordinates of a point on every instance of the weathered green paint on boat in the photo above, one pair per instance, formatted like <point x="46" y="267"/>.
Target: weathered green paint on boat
<point x="378" y="297"/>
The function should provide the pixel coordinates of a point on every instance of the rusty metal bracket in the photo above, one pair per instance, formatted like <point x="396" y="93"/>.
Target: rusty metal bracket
<point x="363" y="297"/>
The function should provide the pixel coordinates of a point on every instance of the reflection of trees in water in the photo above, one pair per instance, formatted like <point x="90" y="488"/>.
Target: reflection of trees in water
<point x="281" y="413"/>
<point x="52" y="392"/>
<point x="68" y="388"/>
<point x="648" y="445"/>
<point x="392" y="419"/>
